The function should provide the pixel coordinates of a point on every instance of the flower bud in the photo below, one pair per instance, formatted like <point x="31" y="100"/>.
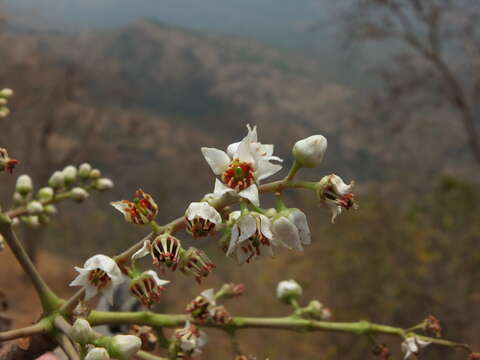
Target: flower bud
<point x="97" y="354"/>
<point x="231" y="290"/>
<point x="69" y="174"/>
<point x="34" y="207"/>
<point x="309" y="152"/>
<point x="57" y="180"/>
<point x="95" y="174"/>
<point x="31" y="221"/>
<point x="6" y="92"/>
<point x="45" y="194"/>
<point x="146" y="335"/>
<point x="50" y="209"/>
<point x="288" y="290"/>
<point x="4" y="112"/>
<point x="79" y="194"/>
<point x="103" y="184"/>
<point x="17" y="198"/>
<point x="126" y="345"/>
<point x="84" y="171"/>
<point x="3" y="101"/>
<point x="82" y="332"/>
<point x="2" y="243"/>
<point x="24" y="185"/>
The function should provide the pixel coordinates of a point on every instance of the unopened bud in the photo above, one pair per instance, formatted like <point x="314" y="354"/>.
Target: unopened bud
<point x="84" y="170"/>
<point x="104" y="184"/>
<point x="4" y="112"/>
<point x="79" y="194"/>
<point x="69" y="174"/>
<point x="95" y="174"/>
<point x="97" y="354"/>
<point x="82" y="332"/>
<point x="57" y="180"/>
<point x="50" y="209"/>
<point x="126" y="346"/>
<point x="309" y="152"/>
<point x="31" y="221"/>
<point x="288" y="290"/>
<point x="45" y="194"/>
<point x="24" y="185"/>
<point x="6" y="92"/>
<point x="34" y="207"/>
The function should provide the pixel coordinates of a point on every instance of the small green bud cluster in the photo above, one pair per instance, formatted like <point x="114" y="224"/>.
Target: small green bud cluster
<point x="4" y="95"/>
<point x="120" y="347"/>
<point x="69" y="183"/>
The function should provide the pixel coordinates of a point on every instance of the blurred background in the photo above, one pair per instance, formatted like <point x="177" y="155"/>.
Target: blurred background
<point x="136" y="87"/>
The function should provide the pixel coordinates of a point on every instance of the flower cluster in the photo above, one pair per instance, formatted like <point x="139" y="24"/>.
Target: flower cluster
<point x="70" y="183"/>
<point x="4" y="95"/>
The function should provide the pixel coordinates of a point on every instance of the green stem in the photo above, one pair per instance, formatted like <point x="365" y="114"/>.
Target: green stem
<point x="287" y="323"/>
<point x="293" y="170"/>
<point x="39" y="328"/>
<point x="280" y="205"/>
<point x="49" y="300"/>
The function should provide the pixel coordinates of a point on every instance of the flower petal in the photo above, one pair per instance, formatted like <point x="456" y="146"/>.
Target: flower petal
<point x="144" y="251"/>
<point x="299" y="219"/>
<point x="286" y="233"/>
<point x="251" y="194"/>
<point x="217" y="159"/>
<point x="243" y="152"/>
<point x="248" y="227"/>
<point x="266" y="169"/>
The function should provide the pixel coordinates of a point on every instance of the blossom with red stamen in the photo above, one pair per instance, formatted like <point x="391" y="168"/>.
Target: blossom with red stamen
<point x="142" y="210"/>
<point x="201" y="307"/>
<point x="165" y="251"/>
<point x="241" y="168"/>
<point x="195" y="262"/>
<point x="250" y="237"/>
<point x="335" y="194"/>
<point x="190" y="339"/>
<point x="147" y="287"/>
<point x="6" y="163"/>
<point x="201" y="219"/>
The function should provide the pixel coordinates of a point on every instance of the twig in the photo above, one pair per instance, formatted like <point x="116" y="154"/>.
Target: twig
<point x="38" y="328"/>
<point x="67" y="346"/>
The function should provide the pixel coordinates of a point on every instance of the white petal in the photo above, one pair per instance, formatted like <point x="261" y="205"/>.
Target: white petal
<point x="243" y="152"/>
<point x="299" y="219"/>
<point x="90" y="291"/>
<point x="217" y="159"/>
<point x="266" y="169"/>
<point x="233" y="239"/>
<point x="81" y="279"/>
<point x="234" y="215"/>
<point x="121" y="206"/>
<point x="158" y="281"/>
<point x="221" y="188"/>
<point x="251" y="194"/>
<point x="265" y="225"/>
<point x="232" y="148"/>
<point x="203" y="210"/>
<point x="248" y="227"/>
<point x="339" y="186"/>
<point x="202" y="339"/>
<point x="144" y="251"/>
<point x="107" y="292"/>
<point x="252" y="133"/>
<point x="286" y="233"/>
<point x="209" y="294"/>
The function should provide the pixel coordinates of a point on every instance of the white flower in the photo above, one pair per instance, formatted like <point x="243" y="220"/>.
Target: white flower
<point x="142" y="210"/>
<point x="97" y="354"/>
<point x="288" y="290"/>
<point x="147" y="287"/>
<point x="412" y="346"/>
<point x="250" y="236"/>
<point x="99" y="273"/>
<point x="335" y="194"/>
<point x="241" y="171"/>
<point x="82" y="332"/>
<point x="191" y="338"/>
<point x="259" y="150"/>
<point x="127" y="345"/>
<point x="309" y="152"/>
<point x="290" y="228"/>
<point x="202" y="218"/>
<point x="24" y="185"/>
